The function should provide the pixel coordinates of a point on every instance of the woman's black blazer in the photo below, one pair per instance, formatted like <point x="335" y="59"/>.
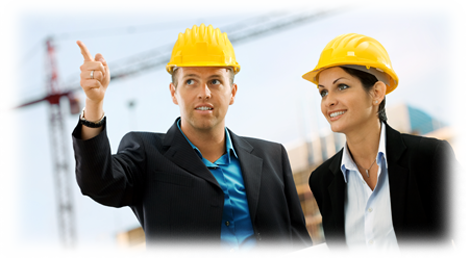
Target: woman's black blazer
<point x="419" y="169"/>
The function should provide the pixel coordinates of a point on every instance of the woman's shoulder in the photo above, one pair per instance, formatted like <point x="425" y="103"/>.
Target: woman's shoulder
<point x="420" y="139"/>
<point x="423" y="150"/>
<point x="324" y="170"/>
<point x="424" y="144"/>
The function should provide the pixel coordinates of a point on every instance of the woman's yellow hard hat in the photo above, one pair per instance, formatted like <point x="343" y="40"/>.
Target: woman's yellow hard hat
<point x="358" y="50"/>
<point x="203" y="46"/>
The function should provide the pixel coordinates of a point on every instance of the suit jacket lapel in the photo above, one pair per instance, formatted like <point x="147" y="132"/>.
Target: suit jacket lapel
<point x="398" y="176"/>
<point x="398" y="180"/>
<point x="336" y="189"/>
<point x="251" y="167"/>
<point x="181" y="153"/>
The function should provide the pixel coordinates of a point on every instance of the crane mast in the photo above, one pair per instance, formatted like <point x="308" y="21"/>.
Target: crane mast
<point x="64" y="198"/>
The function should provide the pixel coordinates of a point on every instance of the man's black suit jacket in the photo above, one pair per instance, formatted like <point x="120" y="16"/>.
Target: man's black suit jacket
<point x="177" y="199"/>
<point x="419" y="170"/>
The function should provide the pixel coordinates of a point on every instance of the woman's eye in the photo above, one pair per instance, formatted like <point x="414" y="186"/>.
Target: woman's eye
<point x="215" y="81"/>
<point x="343" y="86"/>
<point x="323" y="93"/>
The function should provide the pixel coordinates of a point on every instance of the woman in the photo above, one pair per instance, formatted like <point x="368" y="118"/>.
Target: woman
<point x="384" y="189"/>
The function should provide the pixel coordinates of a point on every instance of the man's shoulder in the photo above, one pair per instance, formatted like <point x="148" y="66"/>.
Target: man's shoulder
<point x="143" y="137"/>
<point x="262" y="148"/>
<point x="259" y="142"/>
<point x="144" y="134"/>
<point x="252" y="141"/>
<point x="155" y="136"/>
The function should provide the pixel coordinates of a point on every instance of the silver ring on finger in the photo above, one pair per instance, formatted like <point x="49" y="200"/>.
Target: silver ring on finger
<point x="92" y="74"/>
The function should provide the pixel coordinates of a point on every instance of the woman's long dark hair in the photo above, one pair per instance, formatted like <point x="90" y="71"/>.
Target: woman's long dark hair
<point x="368" y="80"/>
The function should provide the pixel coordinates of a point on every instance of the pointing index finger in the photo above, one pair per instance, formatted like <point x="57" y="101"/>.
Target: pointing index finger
<point x="85" y="53"/>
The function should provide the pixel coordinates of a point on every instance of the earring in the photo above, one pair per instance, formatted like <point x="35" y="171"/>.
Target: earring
<point x="376" y="102"/>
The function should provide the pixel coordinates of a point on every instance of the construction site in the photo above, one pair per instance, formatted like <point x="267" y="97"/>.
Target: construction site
<point x="274" y="103"/>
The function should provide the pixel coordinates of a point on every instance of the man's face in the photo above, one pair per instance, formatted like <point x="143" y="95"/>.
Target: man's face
<point x="203" y="95"/>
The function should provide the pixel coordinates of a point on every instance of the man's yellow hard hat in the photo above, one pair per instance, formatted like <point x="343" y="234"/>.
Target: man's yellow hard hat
<point x="356" y="50"/>
<point x="203" y="46"/>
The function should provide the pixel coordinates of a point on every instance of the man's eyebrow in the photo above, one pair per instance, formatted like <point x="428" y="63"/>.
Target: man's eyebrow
<point x="215" y="76"/>
<point x="191" y="75"/>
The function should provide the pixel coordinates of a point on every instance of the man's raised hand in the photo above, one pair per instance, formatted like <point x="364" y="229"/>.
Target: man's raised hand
<point x="94" y="79"/>
<point x="94" y="76"/>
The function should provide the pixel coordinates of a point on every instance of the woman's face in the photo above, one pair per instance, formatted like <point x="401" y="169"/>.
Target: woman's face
<point x="345" y="104"/>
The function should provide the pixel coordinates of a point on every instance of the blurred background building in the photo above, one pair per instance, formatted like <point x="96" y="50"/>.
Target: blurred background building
<point x="305" y="156"/>
<point x="134" y="238"/>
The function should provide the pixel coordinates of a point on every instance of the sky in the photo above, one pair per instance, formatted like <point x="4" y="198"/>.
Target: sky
<point x="425" y="40"/>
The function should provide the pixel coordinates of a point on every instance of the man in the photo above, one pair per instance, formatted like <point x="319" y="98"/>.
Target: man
<point x="199" y="183"/>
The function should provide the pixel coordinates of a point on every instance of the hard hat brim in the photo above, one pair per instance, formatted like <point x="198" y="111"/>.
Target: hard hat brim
<point x="312" y="76"/>
<point x="171" y="68"/>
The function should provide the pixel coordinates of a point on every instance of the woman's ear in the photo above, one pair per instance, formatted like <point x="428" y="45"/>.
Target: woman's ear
<point x="378" y="92"/>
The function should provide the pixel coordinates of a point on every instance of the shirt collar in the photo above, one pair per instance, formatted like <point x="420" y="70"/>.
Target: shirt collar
<point x="348" y="164"/>
<point x="228" y="142"/>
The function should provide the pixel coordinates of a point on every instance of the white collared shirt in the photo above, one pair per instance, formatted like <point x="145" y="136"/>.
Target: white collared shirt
<point x="367" y="213"/>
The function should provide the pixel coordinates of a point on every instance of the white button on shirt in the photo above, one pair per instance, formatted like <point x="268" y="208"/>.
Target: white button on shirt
<point x="368" y="214"/>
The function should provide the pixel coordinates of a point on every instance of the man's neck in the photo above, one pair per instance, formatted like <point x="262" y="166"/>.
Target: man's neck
<point x="211" y="142"/>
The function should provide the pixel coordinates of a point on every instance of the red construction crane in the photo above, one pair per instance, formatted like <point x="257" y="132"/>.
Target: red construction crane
<point x="64" y="199"/>
<point x="65" y="208"/>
